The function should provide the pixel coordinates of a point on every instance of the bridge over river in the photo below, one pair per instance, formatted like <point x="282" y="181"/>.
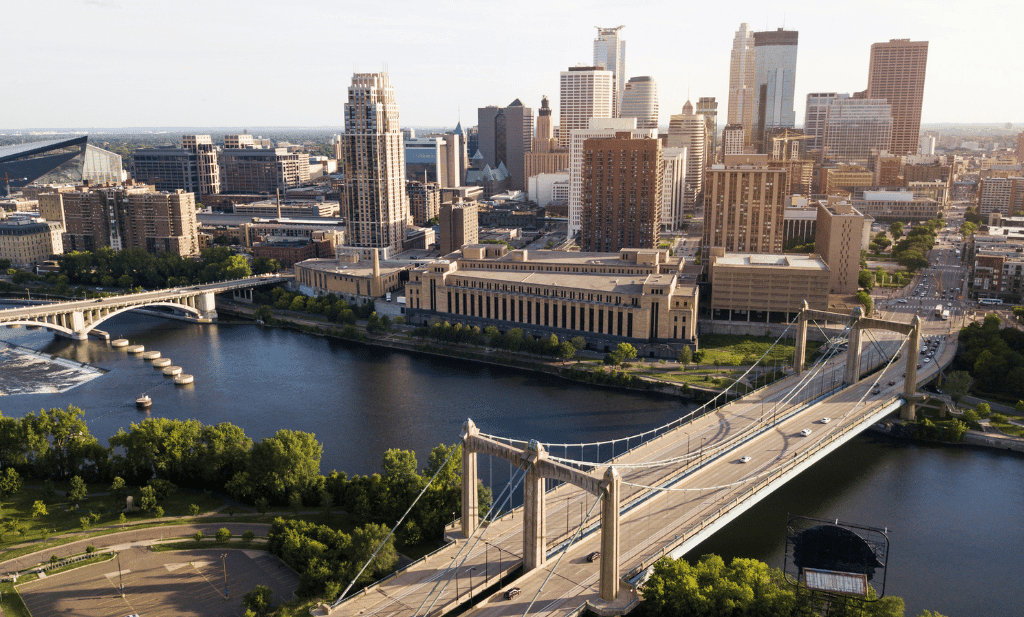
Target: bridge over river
<point x="77" y="318"/>
<point x="666" y="492"/>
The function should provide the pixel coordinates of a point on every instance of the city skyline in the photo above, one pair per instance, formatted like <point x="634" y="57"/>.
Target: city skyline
<point x="441" y="74"/>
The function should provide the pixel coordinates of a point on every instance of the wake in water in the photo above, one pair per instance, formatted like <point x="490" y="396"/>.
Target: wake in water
<point x="24" y="371"/>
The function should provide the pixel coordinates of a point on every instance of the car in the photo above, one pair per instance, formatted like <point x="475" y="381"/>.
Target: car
<point x="805" y="432"/>
<point x="594" y="556"/>
<point x="949" y="304"/>
<point x="892" y="382"/>
<point x="918" y="366"/>
<point x="511" y="593"/>
<point x="743" y="459"/>
<point x="826" y="420"/>
<point x="927" y="360"/>
<point x="902" y="300"/>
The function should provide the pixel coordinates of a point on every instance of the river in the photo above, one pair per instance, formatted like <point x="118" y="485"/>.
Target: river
<point x="953" y="514"/>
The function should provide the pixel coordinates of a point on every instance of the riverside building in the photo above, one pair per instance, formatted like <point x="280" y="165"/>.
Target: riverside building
<point x="634" y="296"/>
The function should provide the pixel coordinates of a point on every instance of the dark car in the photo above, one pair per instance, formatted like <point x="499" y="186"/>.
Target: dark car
<point x="511" y="593"/>
<point x="594" y="556"/>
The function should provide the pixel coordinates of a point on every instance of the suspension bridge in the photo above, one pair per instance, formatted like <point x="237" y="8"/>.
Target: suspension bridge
<point x="77" y="318"/>
<point x="595" y="517"/>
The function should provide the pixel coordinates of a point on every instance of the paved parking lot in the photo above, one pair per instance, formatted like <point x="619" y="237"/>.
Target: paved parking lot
<point x="161" y="584"/>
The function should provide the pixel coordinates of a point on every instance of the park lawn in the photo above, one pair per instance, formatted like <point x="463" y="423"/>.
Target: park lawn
<point x="734" y="349"/>
<point x="1010" y="429"/>
<point x="11" y="603"/>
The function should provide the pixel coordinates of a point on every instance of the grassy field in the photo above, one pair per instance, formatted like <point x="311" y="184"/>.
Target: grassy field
<point x="11" y="602"/>
<point x="734" y="350"/>
<point x="100" y="510"/>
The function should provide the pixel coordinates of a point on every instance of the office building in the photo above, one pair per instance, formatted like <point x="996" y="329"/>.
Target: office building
<point x="689" y="130"/>
<point x="375" y="205"/>
<point x="856" y="128"/>
<point x="741" y="293"/>
<point x="1002" y="195"/>
<point x="545" y="157"/>
<point x="599" y="128"/>
<point x="610" y="54"/>
<point x="131" y="216"/>
<point x="732" y="140"/>
<point x="256" y="171"/>
<point x="505" y="136"/>
<point x="424" y="201"/>
<point x="838" y="239"/>
<point x="707" y="106"/>
<point x="926" y="145"/>
<point x="547" y="189"/>
<point x="460" y="225"/>
<point x="891" y="206"/>
<point x="270" y="229"/>
<point x="585" y="92"/>
<point x="640" y="101"/>
<point x="744" y="206"/>
<point x="741" y="84"/>
<point x="29" y="241"/>
<point x="622" y="188"/>
<point x="799" y="224"/>
<point x="814" y="120"/>
<point x="1020" y="148"/>
<point x="896" y="73"/>
<point x="800" y="173"/>
<point x="426" y="159"/>
<point x="193" y="168"/>
<point x="774" y="83"/>
<point x="354" y="276"/>
<point x="633" y="296"/>
<point x="843" y="179"/>
<point x="673" y="188"/>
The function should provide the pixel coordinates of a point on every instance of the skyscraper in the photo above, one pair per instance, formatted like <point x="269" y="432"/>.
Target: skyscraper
<point x="814" y="119"/>
<point x="506" y="134"/>
<point x="610" y="54"/>
<point x="741" y="82"/>
<point x="896" y="74"/>
<point x="707" y="106"/>
<point x="744" y="206"/>
<point x="376" y="206"/>
<point x="586" y="92"/>
<point x="774" y="82"/>
<point x="689" y="130"/>
<point x="854" y="128"/>
<point x="640" y="101"/>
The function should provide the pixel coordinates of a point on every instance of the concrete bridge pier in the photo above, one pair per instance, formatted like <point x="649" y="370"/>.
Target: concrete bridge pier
<point x="74" y="321"/>
<point x="853" y="356"/>
<point x="533" y="510"/>
<point x="206" y="303"/>
<point x="242" y="295"/>
<point x="610" y="535"/>
<point x="470" y="515"/>
<point x="800" y="351"/>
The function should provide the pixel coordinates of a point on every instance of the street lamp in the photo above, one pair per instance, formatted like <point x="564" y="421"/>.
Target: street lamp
<point x="120" y="577"/>
<point x="224" y="561"/>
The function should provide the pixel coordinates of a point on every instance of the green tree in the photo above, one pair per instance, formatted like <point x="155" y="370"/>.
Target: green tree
<point x="193" y="509"/>
<point x="78" y="491"/>
<point x="566" y="350"/>
<point x="265" y="265"/>
<point x="864" y="298"/>
<point x="957" y="385"/>
<point x="896" y="230"/>
<point x="685" y="356"/>
<point x="223" y="534"/>
<point x="983" y="409"/>
<point x="968" y="228"/>
<point x="264" y="314"/>
<point x="39" y="509"/>
<point x="289" y="461"/>
<point x="259" y="600"/>
<point x="118" y="488"/>
<point x="147" y="498"/>
<point x="866" y="280"/>
<point x="1019" y="407"/>
<point x="366" y="540"/>
<point x="10" y="482"/>
<point x="247" y="536"/>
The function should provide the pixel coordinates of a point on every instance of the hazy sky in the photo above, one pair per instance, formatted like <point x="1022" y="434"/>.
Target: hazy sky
<point x="241" y="63"/>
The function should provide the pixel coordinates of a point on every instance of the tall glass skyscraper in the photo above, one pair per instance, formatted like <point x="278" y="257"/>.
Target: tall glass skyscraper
<point x="774" y="83"/>
<point x="640" y="101"/>
<point x="741" y="82"/>
<point x="610" y="54"/>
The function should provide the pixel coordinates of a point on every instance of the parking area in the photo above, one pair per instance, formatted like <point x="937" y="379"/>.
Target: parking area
<point x="161" y="584"/>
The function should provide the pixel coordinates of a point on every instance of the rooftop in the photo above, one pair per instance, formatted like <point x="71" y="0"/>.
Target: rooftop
<point x="803" y="262"/>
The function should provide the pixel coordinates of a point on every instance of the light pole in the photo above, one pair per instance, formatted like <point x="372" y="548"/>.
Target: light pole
<point x="120" y="577"/>
<point x="224" y="561"/>
<point x="702" y="450"/>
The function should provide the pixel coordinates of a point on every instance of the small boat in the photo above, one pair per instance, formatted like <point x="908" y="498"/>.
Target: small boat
<point x="143" y="402"/>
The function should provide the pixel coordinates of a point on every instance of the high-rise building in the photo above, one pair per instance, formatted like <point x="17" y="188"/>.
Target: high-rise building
<point x="586" y="92"/>
<point x="599" y="128"/>
<point x="376" y="208"/>
<point x="774" y="83"/>
<point x="506" y="134"/>
<point x="926" y="145"/>
<point x="741" y="83"/>
<point x="1002" y="195"/>
<point x="707" y="106"/>
<point x="732" y="140"/>
<point x="673" y="188"/>
<point x="243" y="140"/>
<point x="29" y="241"/>
<point x="545" y="129"/>
<point x="896" y="74"/>
<point x="459" y="226"/>
<point x="545" y="157"/>
<point x="193" y="168"/>
<point x="744" y="205"/>
<point x="814" y="119"/>
<point x="426" y="159"/>
<point x="640" y="101"/>
<point x="854" y="128"/>
<point x="610" y="54"/>
<point x="1020" y="148"/>
<point x="838" y="239"/>
<point x="133" y="216"/>
<point x="622" y="188"/>
<point x="424" y="201"/>
<point x="254" y="171"/>
<point x="689" y="130"/>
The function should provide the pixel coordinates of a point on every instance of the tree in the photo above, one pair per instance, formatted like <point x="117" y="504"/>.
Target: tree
<point x="39" y="509"/>
<point x="198" y="536"/>
<point x="264" y="314"/>
<point x="366" y="540"/>
<point x="685" y="356"/>
<point x="865" y="299"/>
<point x="566" y="350"/>
<point x="259" y="600"/>
<point x="193" y="509"/>
<point x="118" y="488"/>
<point x="77" y="491"/>
<point x="958" y="384"/>
<point x="289" y="461"/>
<point x="247" y="536"/>
<point x="265" y="265"/>
<point x="147" y="498"/>
<point x="10" y="482"/>
<point x="223" y="534"/>
<point x="968" y="228"/>
<point x="1019" y="407"/>
<point x="896" y="230"/>
<point x="983" y="409"/>
<point x="866" y="280"/>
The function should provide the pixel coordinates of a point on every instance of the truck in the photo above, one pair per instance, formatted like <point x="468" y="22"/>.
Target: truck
<point x="945" y="315"/>
<point x="938" y="310"/>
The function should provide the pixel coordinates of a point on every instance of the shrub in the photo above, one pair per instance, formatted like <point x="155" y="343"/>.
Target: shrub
<point x="197" y="536"/>
<point x="193" y="509"/>
<point x="223" y="534"/>
<point x="53" y="559"/>
<point x="248" y="536"/>
<point x="90" y="549"/>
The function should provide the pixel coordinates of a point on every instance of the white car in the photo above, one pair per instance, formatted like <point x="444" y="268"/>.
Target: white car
<point x="826" y="420"/>
<point x="745" y="459"/>
<point x="805" y="432"/>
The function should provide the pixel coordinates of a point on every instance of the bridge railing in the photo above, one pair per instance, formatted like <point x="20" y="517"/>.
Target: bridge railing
<point x="632" y="576"/>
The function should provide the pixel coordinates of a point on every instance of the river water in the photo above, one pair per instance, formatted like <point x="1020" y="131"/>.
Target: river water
<point x="953" y="514"/>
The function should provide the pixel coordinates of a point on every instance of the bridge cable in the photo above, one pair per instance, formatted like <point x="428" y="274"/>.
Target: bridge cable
<point x="392" y="532"/>
<point x="565" y="550"/>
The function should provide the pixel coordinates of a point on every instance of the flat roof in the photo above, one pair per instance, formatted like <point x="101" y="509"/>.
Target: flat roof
<point x="803" y="262"/>
<point x="361" y="268"/>
<point x="567" y="257"/>
<point x="611" y="283"/>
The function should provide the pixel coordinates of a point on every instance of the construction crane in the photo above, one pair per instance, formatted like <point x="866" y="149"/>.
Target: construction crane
<point x="786" y="136"/>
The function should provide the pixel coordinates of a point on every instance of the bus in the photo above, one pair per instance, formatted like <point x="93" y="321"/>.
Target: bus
<point x="990" y="300"/>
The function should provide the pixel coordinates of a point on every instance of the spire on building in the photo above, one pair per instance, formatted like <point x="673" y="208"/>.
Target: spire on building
<point x="688" y="108"/>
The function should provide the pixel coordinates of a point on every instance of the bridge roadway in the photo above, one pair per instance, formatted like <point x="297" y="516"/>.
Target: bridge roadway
<point x="764" y="425"/>
<point x="75" y="319"/>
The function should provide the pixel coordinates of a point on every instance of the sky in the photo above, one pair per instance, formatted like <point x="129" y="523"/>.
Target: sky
<point x="254" y="63"/>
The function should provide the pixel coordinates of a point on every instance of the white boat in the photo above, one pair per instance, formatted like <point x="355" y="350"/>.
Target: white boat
<point x="143" y="402"/>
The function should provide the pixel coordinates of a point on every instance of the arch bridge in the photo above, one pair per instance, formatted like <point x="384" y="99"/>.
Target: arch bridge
<point x="75" y="319"/>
